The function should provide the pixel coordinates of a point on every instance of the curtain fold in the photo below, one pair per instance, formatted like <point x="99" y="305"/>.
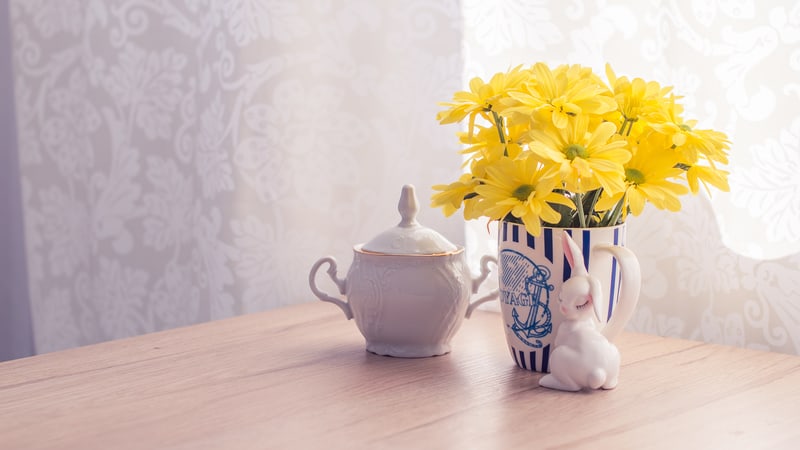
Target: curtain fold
<point x="16" y="336"/>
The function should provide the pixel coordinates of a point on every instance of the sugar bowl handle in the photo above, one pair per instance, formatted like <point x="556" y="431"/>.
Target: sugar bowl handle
<point x="476" y="283"/>
<point x="340" y="283"/>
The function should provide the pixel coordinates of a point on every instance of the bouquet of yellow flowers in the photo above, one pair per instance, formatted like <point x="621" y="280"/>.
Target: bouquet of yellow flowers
<point x="562" y="148"/>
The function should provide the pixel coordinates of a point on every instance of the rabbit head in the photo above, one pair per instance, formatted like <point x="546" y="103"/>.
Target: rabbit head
<point x="581" y="293"/>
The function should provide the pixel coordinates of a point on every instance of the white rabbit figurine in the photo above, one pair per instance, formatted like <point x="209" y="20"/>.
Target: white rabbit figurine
<point x="584" y="356"/>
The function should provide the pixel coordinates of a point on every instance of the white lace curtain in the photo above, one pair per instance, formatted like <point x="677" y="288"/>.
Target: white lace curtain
<point x="187" y="160"/>
<point x="725" y="269"/>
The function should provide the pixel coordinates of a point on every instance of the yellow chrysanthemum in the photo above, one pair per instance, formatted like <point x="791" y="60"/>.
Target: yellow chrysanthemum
<point x="639" y="101"/>
<point x="486" y="143"/>
<point x="606" y="148"/>
<point x="711" y="144"/>
<point x="481" y="97"/>
<point x="519" y="187"/>
<point x="558" y="95"/>
<point x="451" y="196"/>
<point x="648" y="177"/>
<point x="669" y="123"/>
<point x="584" y="159"/>
<point x="697" y="174"/>
<point x="690" y="142"/>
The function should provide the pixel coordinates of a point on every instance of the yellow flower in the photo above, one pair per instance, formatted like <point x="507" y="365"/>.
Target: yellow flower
<point x="647" y="178"/>
<point x="519" y="187"/>
<point x="558" y="95"/>
<point x="669" y="123"/>
<point x="486" y="143"/>
<point x="690" y="142"/>
<point x="606" y="148"/>
<point x="638" y="100"/>
<point x="585" y="159"/>
<point x="697" y="174"/>
<point x="694" y="144"/>
<point x="452" y="195"/>
<point x="481" y="97"/>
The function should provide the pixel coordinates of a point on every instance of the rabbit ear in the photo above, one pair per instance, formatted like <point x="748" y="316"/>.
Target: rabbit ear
<point x="573" y="254"/>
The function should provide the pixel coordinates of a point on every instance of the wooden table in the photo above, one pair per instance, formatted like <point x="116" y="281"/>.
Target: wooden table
<point x="299" y="377"/>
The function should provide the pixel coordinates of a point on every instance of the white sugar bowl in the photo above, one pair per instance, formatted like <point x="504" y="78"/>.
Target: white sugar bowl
<point x="408" y="289"/>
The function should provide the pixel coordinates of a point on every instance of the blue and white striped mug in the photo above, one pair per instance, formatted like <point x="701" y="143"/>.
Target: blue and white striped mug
<point x="531" y="272"/>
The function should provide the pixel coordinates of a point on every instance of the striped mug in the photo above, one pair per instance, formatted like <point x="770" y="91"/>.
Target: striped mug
<point x="531" y="271"/>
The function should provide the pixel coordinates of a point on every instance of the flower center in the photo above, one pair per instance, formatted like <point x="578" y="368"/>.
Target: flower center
<point x="576" y="151"/>
<point x="685" y="127"/>
<point x="523" y="192"/>
<point x="634" y="176"/>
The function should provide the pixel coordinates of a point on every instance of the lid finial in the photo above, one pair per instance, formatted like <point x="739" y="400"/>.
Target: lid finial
<point x="408" y="207"/>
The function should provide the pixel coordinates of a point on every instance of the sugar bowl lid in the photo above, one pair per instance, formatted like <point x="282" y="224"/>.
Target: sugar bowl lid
<point x="409" y="237"/>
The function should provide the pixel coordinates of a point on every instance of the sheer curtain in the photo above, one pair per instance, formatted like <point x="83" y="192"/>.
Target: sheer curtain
<point x="725" y="269"/>
<point x="187" y="160"/>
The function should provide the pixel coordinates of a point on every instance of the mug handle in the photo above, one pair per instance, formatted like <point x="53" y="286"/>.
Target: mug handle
<point x="340" y="283"/>
<point x="630" y="285"/>
<point x="476" y="283"/>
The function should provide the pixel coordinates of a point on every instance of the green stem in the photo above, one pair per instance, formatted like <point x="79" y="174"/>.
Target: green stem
<point x="613" y="216"/>
<point x="595" y="196"/>
<point x="624" y="124"/>
<point x="579" y="207"/>
<point x="498" y="123"/>
<point x="627" y="126"/>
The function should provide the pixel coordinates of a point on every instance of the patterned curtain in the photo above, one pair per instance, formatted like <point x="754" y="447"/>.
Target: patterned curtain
<point x="725" y="269"/>
<point x="187" y="160"/>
